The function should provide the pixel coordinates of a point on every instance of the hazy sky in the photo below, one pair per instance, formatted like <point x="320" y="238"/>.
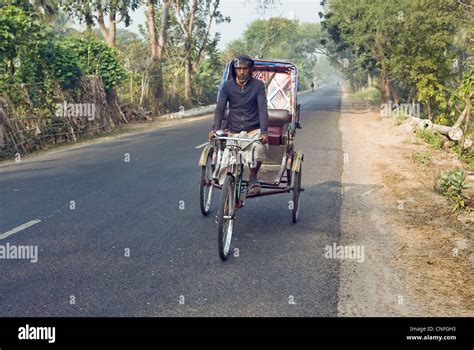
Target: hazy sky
<point x="243" y="12"/>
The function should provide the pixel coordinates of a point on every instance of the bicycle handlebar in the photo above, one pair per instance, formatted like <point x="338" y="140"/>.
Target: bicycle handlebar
<point x="234" y="139"/>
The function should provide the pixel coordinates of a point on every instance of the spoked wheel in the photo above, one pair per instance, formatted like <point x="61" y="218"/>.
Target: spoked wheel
<point x="205" y="191"/>
<point x="296" y="193"/>
<point x="226" y="216"/>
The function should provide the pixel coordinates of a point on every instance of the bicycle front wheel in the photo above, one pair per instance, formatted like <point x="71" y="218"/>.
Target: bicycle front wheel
<point x="205" y="188"/>
<point x="226" y="216"/>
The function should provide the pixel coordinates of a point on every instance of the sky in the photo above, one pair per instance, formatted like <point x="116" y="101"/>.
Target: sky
<point x="243" y="12"/>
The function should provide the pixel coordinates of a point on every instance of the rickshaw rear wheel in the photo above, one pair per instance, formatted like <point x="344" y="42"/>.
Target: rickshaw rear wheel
<point x="296" y="193"/>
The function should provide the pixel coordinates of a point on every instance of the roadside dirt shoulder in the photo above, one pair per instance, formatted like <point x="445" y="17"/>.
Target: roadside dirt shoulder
<point x="418" y="255"/>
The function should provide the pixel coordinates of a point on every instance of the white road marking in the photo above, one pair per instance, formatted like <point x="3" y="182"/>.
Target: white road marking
<point x="346" y="188"/>
<point x="201" y="145"/>
<point x="19" y="228"/>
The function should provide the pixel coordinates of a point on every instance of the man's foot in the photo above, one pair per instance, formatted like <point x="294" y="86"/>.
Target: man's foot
<point x="254" y="187"/>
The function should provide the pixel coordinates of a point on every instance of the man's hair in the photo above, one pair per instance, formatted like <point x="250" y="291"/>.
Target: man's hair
<point x="244" y="59"/>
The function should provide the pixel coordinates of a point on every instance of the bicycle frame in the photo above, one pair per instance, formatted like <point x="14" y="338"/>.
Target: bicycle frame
<point x="236" y="167"/>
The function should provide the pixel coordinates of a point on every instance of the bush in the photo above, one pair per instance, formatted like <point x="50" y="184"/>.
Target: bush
<point x="48" y="63"/>
<point x="466" y="155"/>
<point x="94" y="57"/>
<point x="452" y="184"/>
<point x="63" y="64"/>
<point x="66" y="60"/>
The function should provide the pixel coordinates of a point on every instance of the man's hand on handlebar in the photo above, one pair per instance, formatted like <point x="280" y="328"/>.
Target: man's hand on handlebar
<point x="211" y="135"/>
<point x="218" y="133"/>
<point x="263" y="138"/>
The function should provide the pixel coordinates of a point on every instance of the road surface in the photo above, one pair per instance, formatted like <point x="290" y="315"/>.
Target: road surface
<point x="120" y="238"/>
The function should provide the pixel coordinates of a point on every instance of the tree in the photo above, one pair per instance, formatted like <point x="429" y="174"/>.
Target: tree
<point x="94" y="12"/>
<point x="367" y="28"/>
<point x="423" y="54"/>
<point x="61" y="26"/>
<point x="19" y="29"/>
<point x="195" y="20"/>
<point x="135" y="54"/>
<point x="48" y="9"/>
<point x="264" y="6"/>
<point x="280" y="38"/>
<point x="157" y="41"/>
<point x="407" y="43"/>
<point x="94" y="57"/>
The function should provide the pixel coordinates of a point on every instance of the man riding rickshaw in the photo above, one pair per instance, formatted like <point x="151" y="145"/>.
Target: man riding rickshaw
<point x="248" y="113"/>
<point x="257" y="129"/>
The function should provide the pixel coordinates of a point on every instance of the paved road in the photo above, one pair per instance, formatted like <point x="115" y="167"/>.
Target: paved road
<point x="134" y="208"/>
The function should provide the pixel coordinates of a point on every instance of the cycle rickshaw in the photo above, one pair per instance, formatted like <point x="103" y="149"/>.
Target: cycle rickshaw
<point x="281" y="171"/>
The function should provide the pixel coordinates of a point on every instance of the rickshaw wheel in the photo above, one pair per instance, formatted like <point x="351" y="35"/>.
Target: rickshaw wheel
<point x="206" y="188"/>
<point x="226" y="221"/>
<point x="296" y="193"/>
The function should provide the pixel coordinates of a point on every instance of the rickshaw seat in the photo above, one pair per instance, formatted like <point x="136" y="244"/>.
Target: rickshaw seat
<point x="278" y="120"/>
<point x="278" y="117"/>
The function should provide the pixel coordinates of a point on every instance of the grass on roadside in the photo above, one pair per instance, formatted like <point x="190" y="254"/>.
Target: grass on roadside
<point x="434" y="140"/>
<point x="399" y="119"/>
<point x="466" y="156"/>
<point x="369" y="94"/>
<point x="423" y="157"/>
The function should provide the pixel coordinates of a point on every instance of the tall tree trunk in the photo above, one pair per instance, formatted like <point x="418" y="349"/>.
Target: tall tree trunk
<point x="186" y="24"/>
<point x="109" y="33"/>
<point x="112" y="28"/>
<point x="150" y="18"/>
<point x="156" y="45"/>
<point x="395" y="92"/>
<point x="12" y="70"/>
<point x="382" y="45"/>
<point x="187" y="79"/>
<point x="466" y="125"/>
<point x="385" y="91"/>
<point x="430" y="113"/>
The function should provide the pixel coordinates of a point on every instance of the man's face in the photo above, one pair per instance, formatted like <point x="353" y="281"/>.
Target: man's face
<point x="242" y="71"/>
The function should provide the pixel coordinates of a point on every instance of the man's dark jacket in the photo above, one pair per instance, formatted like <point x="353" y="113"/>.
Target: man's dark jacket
<point x="247" y="106"/>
